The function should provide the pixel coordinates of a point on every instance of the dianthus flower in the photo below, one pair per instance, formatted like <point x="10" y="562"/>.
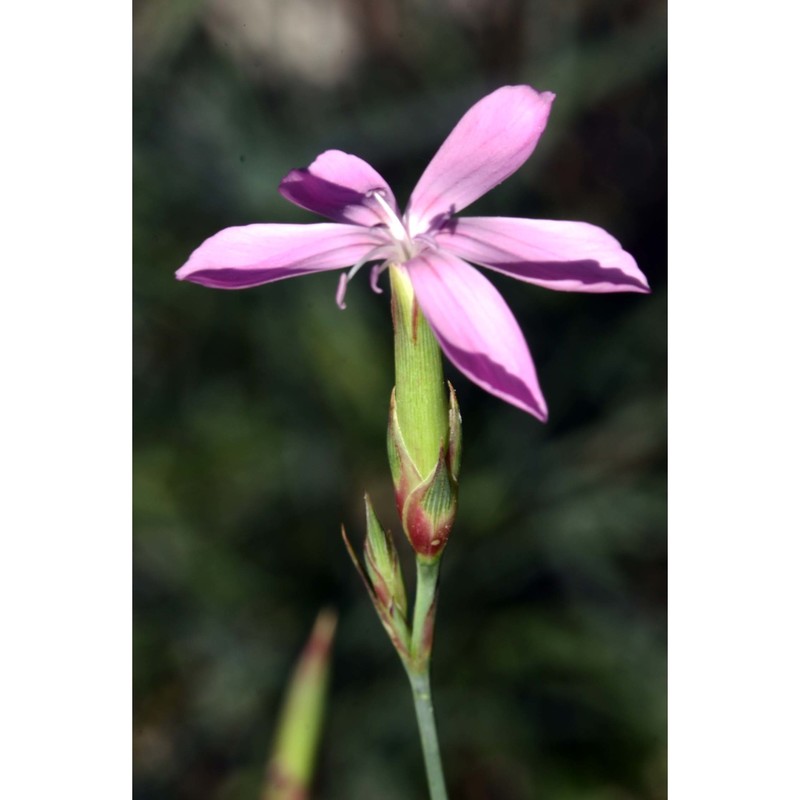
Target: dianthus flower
<point x="469" y="318"/>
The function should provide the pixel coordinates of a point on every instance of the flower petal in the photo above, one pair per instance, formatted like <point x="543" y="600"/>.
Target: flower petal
<point x="336" y="185"/>
<point x="237" y="258"/>
<point x="491" y="141"/>
<point x="476" y="329"/>
<point x="568" y="256"/>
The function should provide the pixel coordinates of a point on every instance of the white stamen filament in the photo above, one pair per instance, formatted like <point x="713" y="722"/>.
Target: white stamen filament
<point x="381" y="251"/>
<point x="341" y="290"/>
<point x="374" y="274"/>
<point x="396" y="227"/>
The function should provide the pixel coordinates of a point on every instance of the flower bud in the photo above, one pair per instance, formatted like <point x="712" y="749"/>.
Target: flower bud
<point x="291" y="767"/>
<point x="383" y="565"/>
<point x="383" y="579"/>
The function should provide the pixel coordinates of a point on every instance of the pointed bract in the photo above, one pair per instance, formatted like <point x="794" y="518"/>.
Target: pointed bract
<point x="405" y="474"/>
<point x="454" y="417"/>
<point x="427" y="506"/>
<point x="430" y="510"/>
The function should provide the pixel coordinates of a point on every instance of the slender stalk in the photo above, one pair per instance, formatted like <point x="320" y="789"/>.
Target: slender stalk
<point x="424" y="614"/>
<point x="418" y="669"/>
<point x="423" y="705"/>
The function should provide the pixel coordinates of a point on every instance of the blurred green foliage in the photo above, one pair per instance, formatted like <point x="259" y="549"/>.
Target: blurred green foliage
<point x="260" y="415"/>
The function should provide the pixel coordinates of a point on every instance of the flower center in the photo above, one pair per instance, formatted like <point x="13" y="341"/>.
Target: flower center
<point x="395" y="226"/>
<point x="398" y="248"/>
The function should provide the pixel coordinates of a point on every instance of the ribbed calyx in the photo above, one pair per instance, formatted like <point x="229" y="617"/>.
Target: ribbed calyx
<point x="424" y="436"/>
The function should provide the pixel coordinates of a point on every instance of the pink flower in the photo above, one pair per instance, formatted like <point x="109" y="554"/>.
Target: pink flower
<point x="470" y="319"/>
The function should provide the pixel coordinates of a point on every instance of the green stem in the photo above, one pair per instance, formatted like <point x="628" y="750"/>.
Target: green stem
<point x="424" y="614"/>
<point x="418" y="669"/>
<point x="421" y="689"/>
<point x="420" y="434"/>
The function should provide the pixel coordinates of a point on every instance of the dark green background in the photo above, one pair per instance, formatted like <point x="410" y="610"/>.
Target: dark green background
<point x="260" y="415"/>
